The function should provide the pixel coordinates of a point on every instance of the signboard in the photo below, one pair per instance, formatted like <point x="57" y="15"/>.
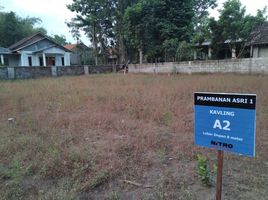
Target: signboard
<point x="225" y="122"/>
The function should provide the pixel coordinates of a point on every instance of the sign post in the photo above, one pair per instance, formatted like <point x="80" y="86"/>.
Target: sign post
<point x="225" y="122"/>
<point x="219" y="175"/>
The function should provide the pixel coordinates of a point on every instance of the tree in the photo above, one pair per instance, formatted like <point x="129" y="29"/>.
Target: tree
<point x="102" y="21"/>
<point x="184" y="51"/>
<point x="151" y="26"/>
<point x="119" y="29"/>
<point x="10" y="30"/>
<point x="14" y="28"/>
<point x="95" y="18"/>
<point x="156" y="26"/>
<point x="60" y="39"/>
<point x="234" y="25"/>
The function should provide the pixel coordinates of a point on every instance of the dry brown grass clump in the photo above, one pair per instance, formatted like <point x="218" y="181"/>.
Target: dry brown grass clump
<point x="78" y="137"/>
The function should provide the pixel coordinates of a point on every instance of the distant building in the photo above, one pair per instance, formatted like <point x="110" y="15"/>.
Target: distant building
<point x="259" y="43"/>
<point x="35" y="50"/>
<point x="81" y="54"/>
<point x="255" y="48"/>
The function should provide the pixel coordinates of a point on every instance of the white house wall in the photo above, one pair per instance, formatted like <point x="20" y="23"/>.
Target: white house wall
<point x="35" y="60"/>
<point x="54" y="50"/>
<point x="58" y="61"/>
<point x="24" y="59"/>
<point x="67" y="61"/>
<point x="255" y="52"/>
<point x="263" y="52"/>
<point x="45" y="47"/>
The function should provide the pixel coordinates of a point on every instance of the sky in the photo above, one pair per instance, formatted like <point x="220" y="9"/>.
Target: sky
<point x="251" y="6"/>
<point x="54" y="13"/>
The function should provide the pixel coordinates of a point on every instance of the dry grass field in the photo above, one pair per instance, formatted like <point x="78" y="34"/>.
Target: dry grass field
<point x="120" y="137"/>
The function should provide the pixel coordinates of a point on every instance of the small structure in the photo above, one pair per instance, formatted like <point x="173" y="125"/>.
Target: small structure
<point x="81" y="54"/>
<point x="35" y="50"/>
<point x="259" y="42"/>
<point x="203" y="51"/>
<point x="255" y="48"/>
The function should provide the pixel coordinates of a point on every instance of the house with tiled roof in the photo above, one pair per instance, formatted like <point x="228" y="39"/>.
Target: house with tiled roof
<point x="80" y="54"/>
<point x="35" y="50"/>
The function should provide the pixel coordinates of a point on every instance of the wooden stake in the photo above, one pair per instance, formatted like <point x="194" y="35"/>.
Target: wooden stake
<point x="219" y="175"/>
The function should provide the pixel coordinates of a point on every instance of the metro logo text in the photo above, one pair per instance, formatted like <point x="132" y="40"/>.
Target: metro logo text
<point x="222" y="144"/>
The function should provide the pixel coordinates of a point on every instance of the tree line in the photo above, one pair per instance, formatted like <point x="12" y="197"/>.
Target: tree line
<point x="159" y="30"/>
<point x="14" y="28"/>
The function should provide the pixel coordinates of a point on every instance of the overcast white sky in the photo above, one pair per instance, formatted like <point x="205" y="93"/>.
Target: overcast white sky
<point x="54" y="13"/>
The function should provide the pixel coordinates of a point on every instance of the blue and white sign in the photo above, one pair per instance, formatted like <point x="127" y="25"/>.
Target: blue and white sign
<point x="225" y="122"/>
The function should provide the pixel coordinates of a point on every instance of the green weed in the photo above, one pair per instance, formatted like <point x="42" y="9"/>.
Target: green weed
<point x="16" y="172"/>
<point x="203" y="171"/>
<point x="113" y="196"/>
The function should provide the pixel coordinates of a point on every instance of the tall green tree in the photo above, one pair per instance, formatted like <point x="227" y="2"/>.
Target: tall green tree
<point x="95" y="18"/>
<point x="14" y="28"/>
<point x="60" y="39"/>
<point x="152" y="26"/>
<point x="102" y="21"/>
<point x="157" y="26"/>
<point x="235" y="25"/>
<point x="119" y="27"/>
<point x="10" y="30"/>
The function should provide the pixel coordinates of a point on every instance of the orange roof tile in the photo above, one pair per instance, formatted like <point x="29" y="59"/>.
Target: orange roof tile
<point x="70" y="46"/>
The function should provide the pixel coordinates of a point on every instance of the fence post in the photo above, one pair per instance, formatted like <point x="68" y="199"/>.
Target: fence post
<point x="86" y="70"/>
<point x="54" y="71"/>
<point x="11" y="72"/>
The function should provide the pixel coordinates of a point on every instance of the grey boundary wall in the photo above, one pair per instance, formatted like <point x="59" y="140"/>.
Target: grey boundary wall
<point x="243" y="66"/>
<point x="3" y="73"/>
<point x="36" y="72"/>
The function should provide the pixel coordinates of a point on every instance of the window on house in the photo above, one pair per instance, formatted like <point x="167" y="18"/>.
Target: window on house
<point x="62" y="61"/>
<point x="41" y="61"/>
<point x="30" y="61"/>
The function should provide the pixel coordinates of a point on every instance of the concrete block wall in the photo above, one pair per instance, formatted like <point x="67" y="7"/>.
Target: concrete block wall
<point x="3" y="73"/>
<point x="30" y="72"/>
<point x="102" y="69"/>
<point x="250" y="65"/>
<point x="35" y="72"/>
<point x="70" y="71"/>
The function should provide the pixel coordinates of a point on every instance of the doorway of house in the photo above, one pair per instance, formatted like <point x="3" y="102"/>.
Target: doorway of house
<point x="50" y="61"/>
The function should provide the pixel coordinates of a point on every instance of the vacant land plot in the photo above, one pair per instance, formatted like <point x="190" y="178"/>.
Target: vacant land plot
<point x="120" y="137"/>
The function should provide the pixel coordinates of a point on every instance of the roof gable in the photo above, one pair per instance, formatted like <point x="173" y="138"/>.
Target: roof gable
<point x="26" y="41"/>
<point x="70" y="46"/>
<point x="4" y="50"/>
<point x="260" y="35"/>
<point x="79" y="46"/>
<point x="37" y="37"/>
